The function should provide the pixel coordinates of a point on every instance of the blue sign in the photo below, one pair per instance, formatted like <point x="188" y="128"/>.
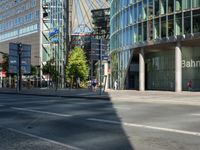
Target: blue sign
<point x="54" y="40"/>
<point x="13" y="57"/>
<point x="54" y="32"/>
<point x="25" y="58"/>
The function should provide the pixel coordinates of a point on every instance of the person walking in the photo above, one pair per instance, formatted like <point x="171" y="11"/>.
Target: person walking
<point x="94" y="83"/>
<point x="189" y="85"/>
<point x="115" y="85"/>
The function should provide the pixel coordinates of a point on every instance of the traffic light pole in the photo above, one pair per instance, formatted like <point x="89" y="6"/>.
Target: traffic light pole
<point x="100" y="66"/>
<point x="19" y="85"/>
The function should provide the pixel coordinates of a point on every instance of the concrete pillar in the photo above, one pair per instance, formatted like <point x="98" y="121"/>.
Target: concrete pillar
<point x="141" y="70"/>
<point x="178" y="68"/>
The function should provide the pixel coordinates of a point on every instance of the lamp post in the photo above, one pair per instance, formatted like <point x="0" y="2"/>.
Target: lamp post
<point x="19" y="85"/>
<point x="100" y="50"/>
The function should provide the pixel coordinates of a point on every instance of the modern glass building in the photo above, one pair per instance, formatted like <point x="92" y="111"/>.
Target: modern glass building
<point x="34" y="22"/>
<point x="155" y="44"/>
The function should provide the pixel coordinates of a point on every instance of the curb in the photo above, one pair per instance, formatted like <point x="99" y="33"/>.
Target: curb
<point x="62" y="96"/>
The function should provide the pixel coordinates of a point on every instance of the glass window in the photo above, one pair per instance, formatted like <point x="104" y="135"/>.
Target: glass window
<point x="195" y="3"/>
<point x="163" y="27"/>
<point x="130" y="15"/>
<point x="178" y="24"/>
<point x="196" y="20"/>
<point x="163" y="5"/>
<point x="170" y="6"/>
<point x="187" y="22"/>
<point x="139" y="32"/>
<point x="124" y="37"/>
<point x="186" y="4"/>
<point x="145" y="31"/>
<point x="135" y="33"/>
<point x="171" y="25"/>
<point x="178" y="5"/>
<point x="150" y="30"/>
<point x="131" y="35"/>
<point x="156" y="8"/>
<point x="150" y="13"/>
<point x="139" y="10"/>
<point x="145" y="9"/>
<point x="156" y="29"/>
<point x="135" y="13"/>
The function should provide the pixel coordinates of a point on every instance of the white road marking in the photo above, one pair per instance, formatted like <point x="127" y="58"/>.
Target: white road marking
<point x="195" y="114"/>
<point x="120" y="107"/>
<point x="89" y="103"/>
<point x="145" y="126"/>
<point x="41" y="112"/>
<point x="44" y="139"/>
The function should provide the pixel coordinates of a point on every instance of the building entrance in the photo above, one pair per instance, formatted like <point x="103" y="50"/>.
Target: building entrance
<point x="133" y="73"/>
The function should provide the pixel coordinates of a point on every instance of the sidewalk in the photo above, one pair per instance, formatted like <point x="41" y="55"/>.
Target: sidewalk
<point x="73" y="93"/>
<point x="169" y="97"/>
<point x="189" y="98"/>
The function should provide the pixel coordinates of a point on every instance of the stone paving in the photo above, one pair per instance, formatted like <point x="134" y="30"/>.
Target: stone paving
<point x="114" y="95"/>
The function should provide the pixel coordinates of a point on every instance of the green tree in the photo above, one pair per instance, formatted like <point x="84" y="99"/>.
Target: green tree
<point x="50" y="69"/>
<point x="33" y="70"/>
<point x="114" y="64"/>
<point x="77" y="66"/>
<point x="5" y="62"/>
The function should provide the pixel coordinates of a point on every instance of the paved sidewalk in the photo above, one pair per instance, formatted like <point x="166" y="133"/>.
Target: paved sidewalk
<point x="189" y="98"/>
<point x="185" y="97"/>
<point x="75" y="93"/>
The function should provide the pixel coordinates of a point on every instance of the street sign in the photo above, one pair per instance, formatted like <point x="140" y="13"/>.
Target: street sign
<point x="96" y="46"/>
<point x="105" y="57"/>
<point x="25" y="58"/>
<point x="97" y="57"/>
<point x="13" y="57"/>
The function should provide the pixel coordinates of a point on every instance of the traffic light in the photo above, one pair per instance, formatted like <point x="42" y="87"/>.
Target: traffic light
<point x="19" y="48"/>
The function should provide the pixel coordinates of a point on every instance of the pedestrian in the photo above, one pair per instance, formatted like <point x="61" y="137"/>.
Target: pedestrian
<point x="115" y="85"/>
<point x="189" y="85"/>
<point x="94" y="83"/>
<point x="89" y="85"/>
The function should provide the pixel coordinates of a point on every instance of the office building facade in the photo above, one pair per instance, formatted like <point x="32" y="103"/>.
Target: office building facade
<point x="19" y="22"/>
<point x="155" y="44"/>
<point x="34" y="22"/>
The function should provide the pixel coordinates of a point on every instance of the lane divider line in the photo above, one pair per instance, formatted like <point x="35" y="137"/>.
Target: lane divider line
<point x="120" y="107"/>
<point x="44" y="139"/>
<point x="41" y="112"/>
<point x="146" y="126"/>
<point x="195" y="114"/>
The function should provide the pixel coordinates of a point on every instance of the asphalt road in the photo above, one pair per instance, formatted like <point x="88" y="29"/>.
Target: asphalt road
<point x="51" y="123"/>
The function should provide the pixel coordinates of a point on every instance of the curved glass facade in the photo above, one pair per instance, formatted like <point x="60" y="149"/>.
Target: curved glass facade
<point x="144" y="23"/>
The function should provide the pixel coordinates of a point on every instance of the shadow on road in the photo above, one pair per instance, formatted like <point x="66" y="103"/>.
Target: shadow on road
<point x="90" y="124"/>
